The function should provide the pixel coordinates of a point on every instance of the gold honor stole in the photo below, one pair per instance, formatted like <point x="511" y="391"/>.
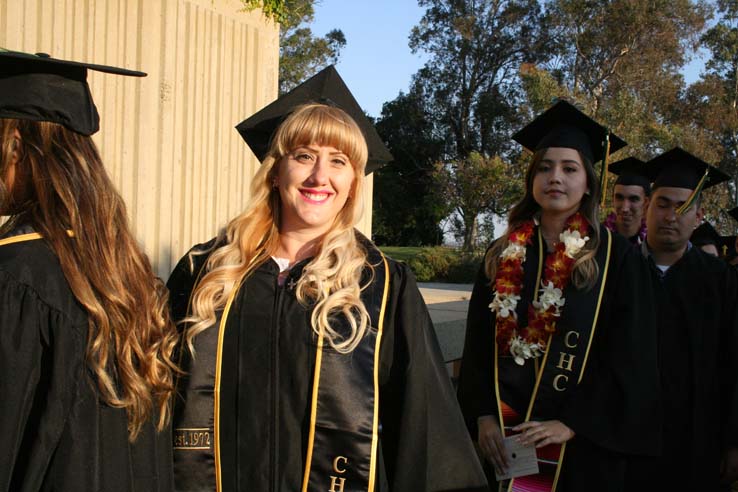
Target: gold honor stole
<point x="344" y="420"/>
<point x="561" y="369"/>
<point x="31" y="236"/>
<point x="344" y="413"/>
<point x="20" y="238"/>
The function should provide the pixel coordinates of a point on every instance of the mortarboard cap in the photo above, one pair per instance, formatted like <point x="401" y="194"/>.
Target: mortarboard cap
<point x="706" y="234"/>
<point x="325" y="87"/>
<point x="678" y="168"/>
<point x="41" y="88"/>
<point x="631" y="171"/>
<point x="563" y="125"/>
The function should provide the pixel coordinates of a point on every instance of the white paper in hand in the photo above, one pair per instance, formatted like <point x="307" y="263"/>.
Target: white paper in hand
<point x="521" y="460"/>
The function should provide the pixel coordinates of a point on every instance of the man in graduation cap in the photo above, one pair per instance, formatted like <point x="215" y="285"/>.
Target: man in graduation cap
<point x="629" y="200"/>
<point x="697" y="332"/>
<point x="291" y="388"/>
<point x="78" y="298"/>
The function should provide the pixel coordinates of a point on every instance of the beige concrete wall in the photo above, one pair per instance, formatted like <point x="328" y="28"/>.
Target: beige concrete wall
<point x="168" y="140"/>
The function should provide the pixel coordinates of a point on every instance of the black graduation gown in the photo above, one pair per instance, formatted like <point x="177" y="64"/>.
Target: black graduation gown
<point x="57" y="434"/>
<point x="614" y="409"/>
<point x="698" y="361"/>
<point x="268" y="365"/>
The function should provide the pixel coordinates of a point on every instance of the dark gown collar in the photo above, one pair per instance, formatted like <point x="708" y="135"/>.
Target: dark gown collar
<point x="19" y="230"/>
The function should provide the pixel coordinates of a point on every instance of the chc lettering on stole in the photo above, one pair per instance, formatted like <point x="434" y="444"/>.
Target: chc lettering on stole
<point x="566" y="361"/>
<point x="337" y="483"/>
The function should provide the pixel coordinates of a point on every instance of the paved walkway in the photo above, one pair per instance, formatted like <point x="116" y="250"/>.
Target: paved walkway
<point x="448" y="304"/>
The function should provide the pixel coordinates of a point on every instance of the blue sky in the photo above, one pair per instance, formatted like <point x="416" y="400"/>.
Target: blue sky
<point x="376" y="62"/>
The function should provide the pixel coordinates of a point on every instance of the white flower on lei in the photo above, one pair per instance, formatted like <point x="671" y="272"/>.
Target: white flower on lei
<point x="504" y="304"/>
<point x="522" y="350"/>
<point x="513" y="251"/>
<point x="549" y="296"/>
<point x="573" y="242"/>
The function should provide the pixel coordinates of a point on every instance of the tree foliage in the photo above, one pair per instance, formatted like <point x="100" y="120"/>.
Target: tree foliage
<point x="301" y="53"/>
<point x="470" y="78"/>
<point x="713" y="103"/>
<point x="604" y="47"/>
<point x="469" y="91"/>
<point x="621" y="62"/>
<point x="408" y="207"/>
<point x="272" y="9"/>
<point x="473" y="184"/>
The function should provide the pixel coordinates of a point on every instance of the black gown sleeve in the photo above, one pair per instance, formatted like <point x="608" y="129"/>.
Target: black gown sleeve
<point x="617" y="404"/>
<point x="424" y="441"/>
<point x="41" y="358"/>
<point x="476" y="391"/>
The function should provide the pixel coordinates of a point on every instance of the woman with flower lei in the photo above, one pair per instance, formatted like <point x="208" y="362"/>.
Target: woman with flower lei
<point x="549" y="302"/>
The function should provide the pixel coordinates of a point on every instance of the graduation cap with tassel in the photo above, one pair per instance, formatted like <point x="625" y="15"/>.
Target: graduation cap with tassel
<point x="326" y="87"/>
<point x="677" y="168"/>
<point x="563" y="125"/>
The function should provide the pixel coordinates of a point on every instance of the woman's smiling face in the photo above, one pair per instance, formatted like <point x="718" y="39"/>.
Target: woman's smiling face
<point x="314" y="183"/>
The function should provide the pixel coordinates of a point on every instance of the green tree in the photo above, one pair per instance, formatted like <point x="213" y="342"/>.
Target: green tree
<point x="713" y="101"/>
<point x="620" y="61"/>
<point x="604" y="47"/>
<point x="476" y="183"/>
<point x="470" y="85"/>
<point x="408" y="205"/>
<point x="301" y="53"/>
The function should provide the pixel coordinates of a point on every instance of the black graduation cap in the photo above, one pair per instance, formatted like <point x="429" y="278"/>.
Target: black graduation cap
<point x="679" y="169"/>
<point x="41" y="88"/>
<point x="631" y="171"/>
<point x="563" y="125"/>
<point x="706" y="234"/>
<point x="326" y="87"/>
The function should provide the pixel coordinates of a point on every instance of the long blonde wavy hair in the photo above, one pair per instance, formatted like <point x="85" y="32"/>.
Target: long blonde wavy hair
<point x="586" y="270"/>
<point x="331" y="280"/>
<point x="60" y="184"/>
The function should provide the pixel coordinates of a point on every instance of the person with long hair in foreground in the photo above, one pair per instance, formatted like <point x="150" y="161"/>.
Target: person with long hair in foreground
<point x="86" y="340"/>
<point x="312" y="361"/>
<point x="560" y="348"/>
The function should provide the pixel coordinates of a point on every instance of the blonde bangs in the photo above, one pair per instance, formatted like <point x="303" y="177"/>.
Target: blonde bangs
<point x="318" y="124"/>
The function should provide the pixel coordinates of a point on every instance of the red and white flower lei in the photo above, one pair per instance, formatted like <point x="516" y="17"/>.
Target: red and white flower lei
<point x="530" y="341"/>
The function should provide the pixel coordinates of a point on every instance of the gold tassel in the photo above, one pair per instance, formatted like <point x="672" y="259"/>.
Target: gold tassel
<point x="693" y="197"/>
<point x="603" y="173"/>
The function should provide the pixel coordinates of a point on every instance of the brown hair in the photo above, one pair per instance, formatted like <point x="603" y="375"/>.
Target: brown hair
<point x="586" y="270"/>
<point x="60" y="184"/>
